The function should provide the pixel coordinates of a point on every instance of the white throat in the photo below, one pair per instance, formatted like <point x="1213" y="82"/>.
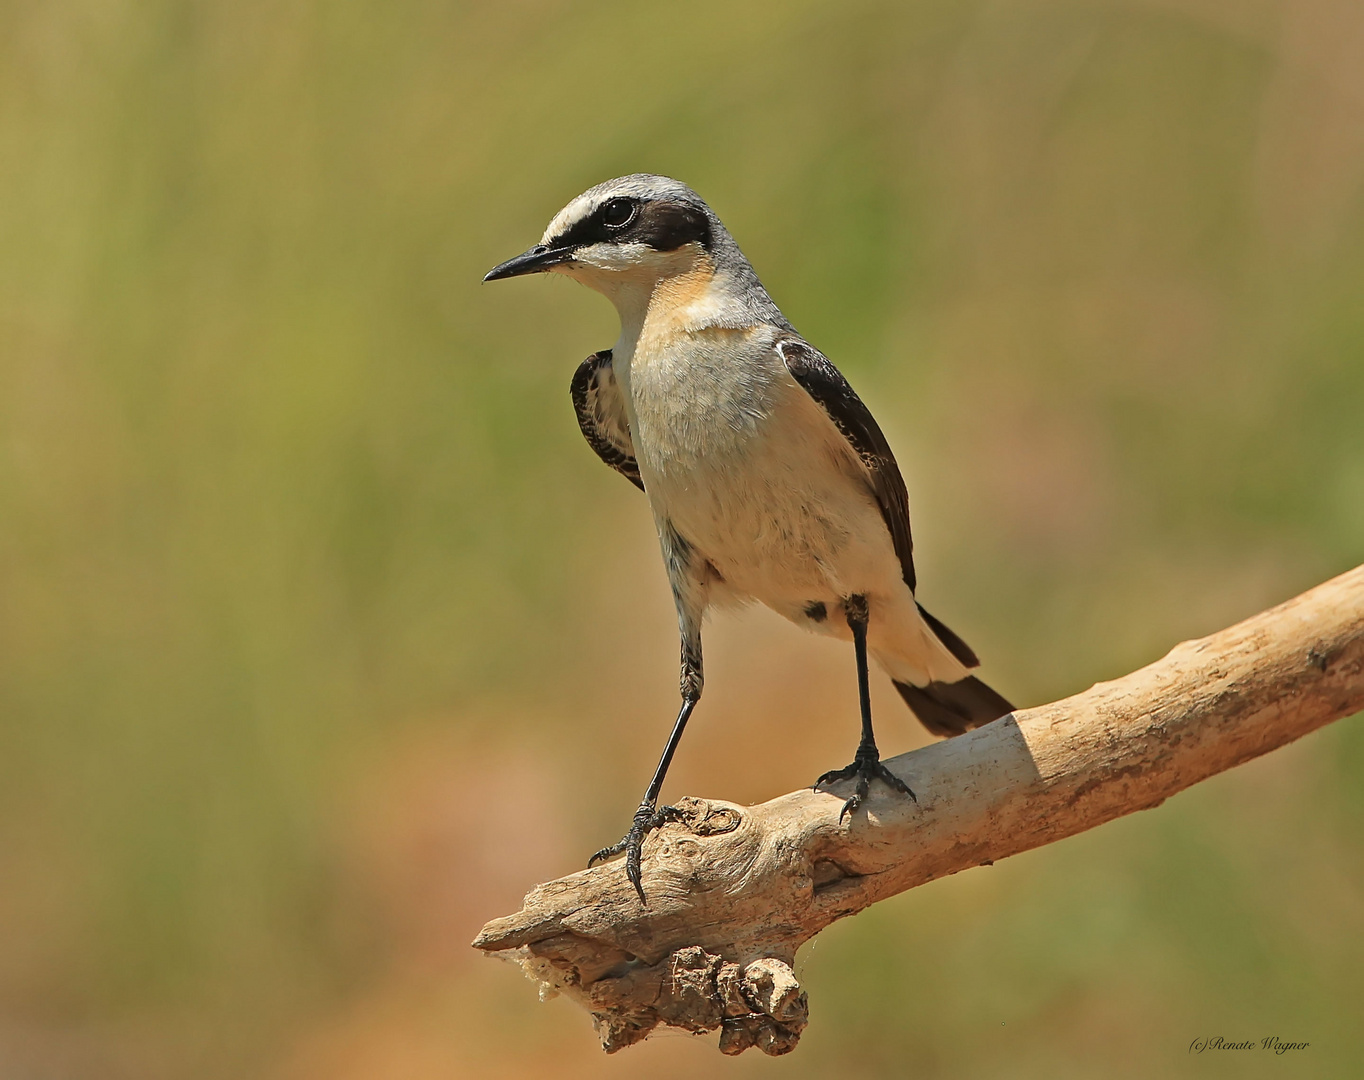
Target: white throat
<point x="662" y="295"/>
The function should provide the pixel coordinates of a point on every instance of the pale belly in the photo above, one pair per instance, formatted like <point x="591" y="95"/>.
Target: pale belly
<point x="775" y="505"/>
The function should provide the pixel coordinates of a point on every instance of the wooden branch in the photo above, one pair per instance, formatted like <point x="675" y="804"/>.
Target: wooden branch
<point x="733" y="891"/>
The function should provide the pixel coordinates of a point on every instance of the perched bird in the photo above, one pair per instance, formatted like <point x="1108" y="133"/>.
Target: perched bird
<point x="767" y="477"/>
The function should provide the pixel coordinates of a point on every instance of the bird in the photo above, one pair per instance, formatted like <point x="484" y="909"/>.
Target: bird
<point x="767" y="476"/>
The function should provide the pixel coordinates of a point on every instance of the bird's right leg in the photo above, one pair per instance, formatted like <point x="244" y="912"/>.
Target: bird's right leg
<point x="867" y="766"/>
<point x="688" y="577"/>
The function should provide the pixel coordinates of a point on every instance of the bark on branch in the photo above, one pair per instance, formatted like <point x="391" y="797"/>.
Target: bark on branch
<point x="733" y="891"/>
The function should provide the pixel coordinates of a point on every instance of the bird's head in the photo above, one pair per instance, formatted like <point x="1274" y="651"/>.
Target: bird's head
<point x="624" y="236"/>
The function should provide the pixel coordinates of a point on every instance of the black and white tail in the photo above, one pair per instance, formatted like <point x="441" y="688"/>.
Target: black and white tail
<point x="950" y="708"/>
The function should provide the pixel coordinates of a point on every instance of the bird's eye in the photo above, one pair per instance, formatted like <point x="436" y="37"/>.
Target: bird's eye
<point x="617" y="213"/>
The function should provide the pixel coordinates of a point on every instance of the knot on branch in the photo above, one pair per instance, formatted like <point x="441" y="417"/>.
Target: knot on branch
<point x="660" y="971"/>
<point x="759" y="1004"/>
<point x="705" y="818"/>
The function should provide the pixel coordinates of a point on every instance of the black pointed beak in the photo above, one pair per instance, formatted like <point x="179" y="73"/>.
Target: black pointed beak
<point x="537" y="260"/>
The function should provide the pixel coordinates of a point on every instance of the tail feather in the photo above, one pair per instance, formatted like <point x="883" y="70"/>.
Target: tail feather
<point x="950" y="708"/>
<point x="949" y="639"/>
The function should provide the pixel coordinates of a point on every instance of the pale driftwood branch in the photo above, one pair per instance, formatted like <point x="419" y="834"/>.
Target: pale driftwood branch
<point x="733" y="891"/>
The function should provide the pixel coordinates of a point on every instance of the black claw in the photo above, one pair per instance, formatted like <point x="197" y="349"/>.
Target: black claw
<point x="647" y="818"/>
<point x="866" y="768"/>
<point x="835" y="775"/>
<point x="606" y="853"/>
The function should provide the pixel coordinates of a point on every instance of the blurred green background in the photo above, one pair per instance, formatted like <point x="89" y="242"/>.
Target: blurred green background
<point x="323" y="635"/>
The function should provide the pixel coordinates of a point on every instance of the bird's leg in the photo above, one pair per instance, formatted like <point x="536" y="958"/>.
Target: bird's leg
<point x="866" y="765"/>
<point x="688" y="577"/>
<point x="650" y="815"/>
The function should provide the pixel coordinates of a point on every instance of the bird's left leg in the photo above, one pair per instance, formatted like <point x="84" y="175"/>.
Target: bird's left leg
<point x="689" y="576"/>
<point x="866" y="765"/>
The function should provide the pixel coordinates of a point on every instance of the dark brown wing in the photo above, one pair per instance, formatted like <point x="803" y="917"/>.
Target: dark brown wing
<point x="600" y="405"/>
<point x="826" y="384"/>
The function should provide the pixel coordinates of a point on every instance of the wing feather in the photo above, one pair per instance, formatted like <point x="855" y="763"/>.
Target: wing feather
<point x="826" y="384"/>
<point x="600" y="406"/>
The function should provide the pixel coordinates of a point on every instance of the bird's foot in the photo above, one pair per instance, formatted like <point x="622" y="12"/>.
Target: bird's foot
<point x="867" y="767"/>
<point x="647" y="818"/>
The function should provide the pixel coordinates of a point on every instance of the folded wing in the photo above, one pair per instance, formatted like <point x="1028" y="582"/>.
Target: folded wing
<point x="600" y="405"/>
<point x="826" y="384"/>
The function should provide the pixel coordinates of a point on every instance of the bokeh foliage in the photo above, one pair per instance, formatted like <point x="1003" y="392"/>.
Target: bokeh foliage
<point x="322" y="635"/>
